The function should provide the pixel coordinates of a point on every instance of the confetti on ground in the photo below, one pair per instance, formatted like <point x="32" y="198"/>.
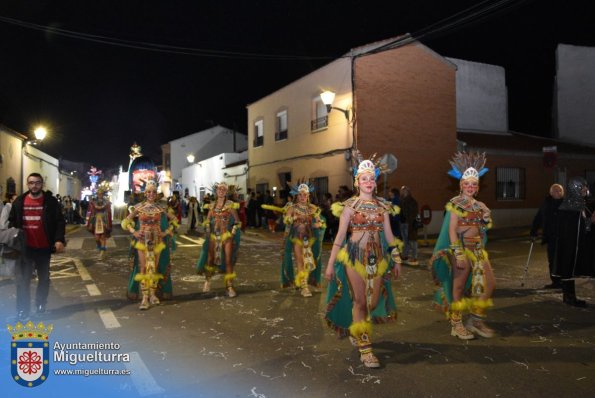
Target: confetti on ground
<point x="255" y="394"/>
<point x="521" y="363"/>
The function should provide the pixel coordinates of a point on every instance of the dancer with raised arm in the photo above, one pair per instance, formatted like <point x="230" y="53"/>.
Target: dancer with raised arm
<point x="302" y="244"/>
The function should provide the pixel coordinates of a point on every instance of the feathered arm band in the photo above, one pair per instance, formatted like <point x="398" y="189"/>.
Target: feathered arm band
<point x="337" y="209"/>
<point x="273" y="208"/>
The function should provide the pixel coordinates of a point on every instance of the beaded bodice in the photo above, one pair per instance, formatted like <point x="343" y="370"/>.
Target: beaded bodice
<point x="149" y="216"/>
<point x="473" y="212"/>
<point x="302" y="214"/>
<point x="368" y="215"/>
<point x="221" y="215"/>
<point x="100" y="205"/>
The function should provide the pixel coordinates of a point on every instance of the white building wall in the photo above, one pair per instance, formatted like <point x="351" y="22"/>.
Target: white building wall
<point x="482" y="96"/>
<point x="201" y="176"/>
<point x="574" y="94"/>
<point x="10" y="161"/>
<point x="36" y="161"/>
<point x="70" y="185"/>
<point x="203" y="145"/>
<point x="237" y="175"/>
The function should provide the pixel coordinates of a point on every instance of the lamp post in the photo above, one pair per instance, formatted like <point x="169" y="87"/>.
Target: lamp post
<point x="328" y="97"/>
<point x="39" y="133"/>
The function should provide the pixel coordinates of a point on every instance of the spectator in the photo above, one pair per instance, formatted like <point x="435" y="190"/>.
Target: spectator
<point x="38" y="214"/>
<point x="10" y="197"/>
<point x="250" y="207"/>
<point x="545" y="219"/>
<point x="395" y="223"/>
<point x="332" y="222"/>
<point x="68" y="210"/>
<point x="409" y="213"/>
<point x="192" y="213"/>
<point x="259" y="209"/>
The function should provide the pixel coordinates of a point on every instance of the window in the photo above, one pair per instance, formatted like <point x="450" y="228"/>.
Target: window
<point x="320" y="185"/>
<point x="262" y="187"/>
<point x="284" y="178"/>
<point x="258" y="133"/>
<point x="319" y="115"/>
<point x="281" y="128"/>
<point x="510" y="183"/>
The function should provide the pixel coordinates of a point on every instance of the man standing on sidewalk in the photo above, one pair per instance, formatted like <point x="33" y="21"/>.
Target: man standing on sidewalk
<point x="409" y="212"/>
<point x="545" y="219"/>
<point x="38" y="213"/>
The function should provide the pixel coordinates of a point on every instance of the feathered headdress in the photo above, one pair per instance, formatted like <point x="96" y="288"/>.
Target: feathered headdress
<point x="302" y="186"/>
<point x="468" y="165"/>
<point x="104" y="187"/>
<point x="151" y="184"/>
<point x="234" y="189"/>
<point x="217" y="185"/>
<point x="372" y="165"/>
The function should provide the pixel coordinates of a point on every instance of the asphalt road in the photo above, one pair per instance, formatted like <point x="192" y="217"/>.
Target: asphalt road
<point x="270" y="342"/>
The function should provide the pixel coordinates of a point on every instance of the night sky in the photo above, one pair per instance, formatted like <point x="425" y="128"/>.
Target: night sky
<point x="97" y="98"/>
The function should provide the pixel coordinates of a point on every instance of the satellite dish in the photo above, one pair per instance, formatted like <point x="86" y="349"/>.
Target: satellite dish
<point x="390" y="161"/>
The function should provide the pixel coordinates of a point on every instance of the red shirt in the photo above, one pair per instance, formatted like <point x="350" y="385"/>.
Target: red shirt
<point x="33" y="224"/>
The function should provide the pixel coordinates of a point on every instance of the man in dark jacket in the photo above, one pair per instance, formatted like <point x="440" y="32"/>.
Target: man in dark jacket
<point x="409" y="213"/>
<point x="545" y="219"/>
<point x="38" y="213"/>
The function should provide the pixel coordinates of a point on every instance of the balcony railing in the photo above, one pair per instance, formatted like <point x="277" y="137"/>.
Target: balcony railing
<point x="281" y="135"/>
<point x="258" y="141"/>
<point x="320" y="123"/>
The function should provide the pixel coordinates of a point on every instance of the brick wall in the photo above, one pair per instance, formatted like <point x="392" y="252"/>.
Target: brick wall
<point x="406" y="105"/>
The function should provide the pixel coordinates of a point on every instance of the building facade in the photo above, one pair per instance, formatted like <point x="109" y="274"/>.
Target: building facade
<point x="574" y="94"/>
<point x="201" y="145"/>
<point x="292" y="136"/>
<point x="198" y="178"/>
<point x="11" y="161"/>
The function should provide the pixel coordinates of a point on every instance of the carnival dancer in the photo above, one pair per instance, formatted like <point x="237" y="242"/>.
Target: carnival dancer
<point x="222" y="240"/>
<point x="100" y="219"/>
<point x="304" y="232"/>
<point x="460" y="264"/>
<point x="153" y="231"/>
<point x="359" y="268"/>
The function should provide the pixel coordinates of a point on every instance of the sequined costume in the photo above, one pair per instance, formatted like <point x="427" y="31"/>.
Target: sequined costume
<point x="100" y="221"/>
<point x="369" y="260"/>
<point x="221" y="227"/>
<point x="470" y="215"/>
<point x="473" y="219"/>
<point x="304" y="232"/>
<point x="152" y="221"/>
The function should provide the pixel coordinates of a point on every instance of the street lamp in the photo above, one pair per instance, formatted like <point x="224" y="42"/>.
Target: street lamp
<point x="40" y="133"/>
<point x="190" y="158"/>
<point x="327" y="99"/>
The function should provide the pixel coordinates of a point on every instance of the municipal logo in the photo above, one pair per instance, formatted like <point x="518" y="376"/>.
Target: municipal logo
<point x="30" y="353"/>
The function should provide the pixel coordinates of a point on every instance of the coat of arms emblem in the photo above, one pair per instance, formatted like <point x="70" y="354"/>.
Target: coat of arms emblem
<point x="30" y="353"/>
